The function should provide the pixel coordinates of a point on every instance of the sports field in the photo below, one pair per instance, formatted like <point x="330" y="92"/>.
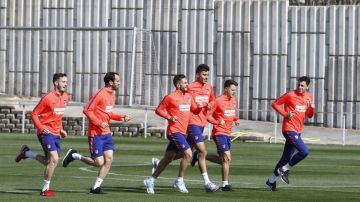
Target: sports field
<point x="330" y="173"/>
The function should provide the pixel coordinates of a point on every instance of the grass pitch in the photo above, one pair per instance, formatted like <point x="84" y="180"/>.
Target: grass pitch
<point x="329" y="173"/>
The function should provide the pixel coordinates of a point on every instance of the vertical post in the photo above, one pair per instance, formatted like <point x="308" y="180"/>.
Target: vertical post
<point x="343" y="132"/>
<point x="275" y="127"/>
<point x="132" y="74"/>
<point x="209" y="133"/>
<point x="23" y="119"/>
<point x="145" y="123"/>
<point x="83" y="126"/>
<point x="166" y="123"/>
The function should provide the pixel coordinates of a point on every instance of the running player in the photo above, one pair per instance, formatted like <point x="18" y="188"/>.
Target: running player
<point x="177" y="108"/>
<point x="202" y="92"/>
<point x="297" y="105"/>
<point x="98" y="111"/>
<point x="223" y="116"/>
<point x="47" y="117"/>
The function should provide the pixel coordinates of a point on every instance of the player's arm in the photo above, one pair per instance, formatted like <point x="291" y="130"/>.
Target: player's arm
<point x="161" y="109"/>
<point x="212" y="100"/>
<point x="40" y="107"/>
<point x="276" y="105"/>
<point x="210" y="118"/>
<point x="236" y="120"/>
<point x="90" y="108"/>
<point x="119" y="117"/>
<point x="195" y="108"/>
<point x="310" y="109"/>
<point x="63" y="133"/>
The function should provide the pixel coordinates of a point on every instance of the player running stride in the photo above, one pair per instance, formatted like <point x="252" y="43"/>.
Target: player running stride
<point x="98" y="111"/>
<point x="223" y="116"/>
<point x="297" y="105"/>
<point x="47" y="117"/>
<point x="179" y="106"/>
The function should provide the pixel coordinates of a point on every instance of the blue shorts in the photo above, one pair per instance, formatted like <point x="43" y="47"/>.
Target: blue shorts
<point x="50" y="142"/>
<point x="195" y="134"/>
<point x="100" y="143"/>
<point x="223" y="143"/>
<point x="177" y="143"/>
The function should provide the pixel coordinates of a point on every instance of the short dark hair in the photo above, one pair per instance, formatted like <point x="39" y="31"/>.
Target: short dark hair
<point x="304" y="78"/>
<point x="178" y="78"/>
<point x="230" y="82"/>
<point x="57" y="76"/>
<point x="110" y="76"/>
<point x="202" y="68"/>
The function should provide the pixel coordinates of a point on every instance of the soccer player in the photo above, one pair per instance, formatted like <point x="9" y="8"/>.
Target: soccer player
<point x="98" y="111"/>
<point x="223" y="116"/>
<point x="297" y="105"/>
<point x="177" y="108"/>
<point x="47" y="117"/>
<point x="202" y="92"/>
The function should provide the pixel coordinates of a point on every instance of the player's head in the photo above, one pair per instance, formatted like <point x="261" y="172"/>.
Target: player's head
<point x="303" y="84"/>
<point x="180" y="82"/>
<point x="60" y="82"/>
<point x="112" y="80"/>
<point x="230" y="87"/>
<point x="202" y="73"/>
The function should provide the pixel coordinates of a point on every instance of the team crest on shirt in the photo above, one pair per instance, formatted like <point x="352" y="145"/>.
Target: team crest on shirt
<point x="207" y="91"/>
<point x="66" y="102"/>
<point x="188" y="99"/>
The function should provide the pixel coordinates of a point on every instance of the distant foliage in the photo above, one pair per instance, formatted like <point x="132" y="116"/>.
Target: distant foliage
<point x="324" y="2"/>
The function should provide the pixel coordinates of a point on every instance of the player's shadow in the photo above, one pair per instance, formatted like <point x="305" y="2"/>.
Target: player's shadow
<point x="140" y="189"/>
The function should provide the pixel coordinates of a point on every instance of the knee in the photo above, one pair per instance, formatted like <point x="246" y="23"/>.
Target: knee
<point x="187" y="155"/>
<point x="202" y="154"/>
<point x="53" y="161"/>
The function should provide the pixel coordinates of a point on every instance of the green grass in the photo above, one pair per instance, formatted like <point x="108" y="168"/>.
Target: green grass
<point x="330" y="173"/>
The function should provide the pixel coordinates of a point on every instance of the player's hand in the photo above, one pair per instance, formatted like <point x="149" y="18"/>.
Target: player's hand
<point x="312" y="105"/>
<point x="289" y="115"/>
<point x="63" y="133"/>
<point x="199" y="105"/>
<point x="127" y="118"/>
<point x="237" y="123"/>
<point x="104" y="125"/>
<point x="45" y="131"/>
<point x="173" y="118"/>
<point x="222" y="122"/>
<point x="209" y="107"/>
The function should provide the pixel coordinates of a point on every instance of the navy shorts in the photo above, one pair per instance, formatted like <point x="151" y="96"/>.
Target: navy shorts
<point x="195" y="134"/>
<point x="223" y="143"/>
<point x="50" y="142"/>
<point x="100" y="143"/>
<point x="177" y="143"/>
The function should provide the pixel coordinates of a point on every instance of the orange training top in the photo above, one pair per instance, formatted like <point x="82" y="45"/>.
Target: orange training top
<point x="49" y="111"/>
<point x="299" y="104"/>
<point x="177" y="104"/>
<point x="202" y="93"/>
<point x="224" y="109"/>
<point x="98" y="110"/>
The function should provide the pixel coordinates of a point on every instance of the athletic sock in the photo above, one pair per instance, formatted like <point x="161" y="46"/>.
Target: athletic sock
<point x="206" y="178"/>
<point x="273" y="178"/>
<point x="30" y="154"/>
<point x="97" y="183"/>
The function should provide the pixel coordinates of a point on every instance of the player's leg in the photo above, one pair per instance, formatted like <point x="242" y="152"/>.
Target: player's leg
<point x="224" y="147"/>
<point x="295" y="140"/>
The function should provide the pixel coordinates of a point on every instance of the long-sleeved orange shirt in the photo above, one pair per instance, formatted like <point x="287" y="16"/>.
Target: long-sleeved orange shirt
<point x="297" y="103"/>
<point x="177" y="104"/>
<point x="98" y="110"/>
<point x="202" y="93"/>
<point x="49" y="111"/>
<point x="224" y="109"/>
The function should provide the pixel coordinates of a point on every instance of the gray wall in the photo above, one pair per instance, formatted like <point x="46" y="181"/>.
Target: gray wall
<point x="264" y="45"/>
